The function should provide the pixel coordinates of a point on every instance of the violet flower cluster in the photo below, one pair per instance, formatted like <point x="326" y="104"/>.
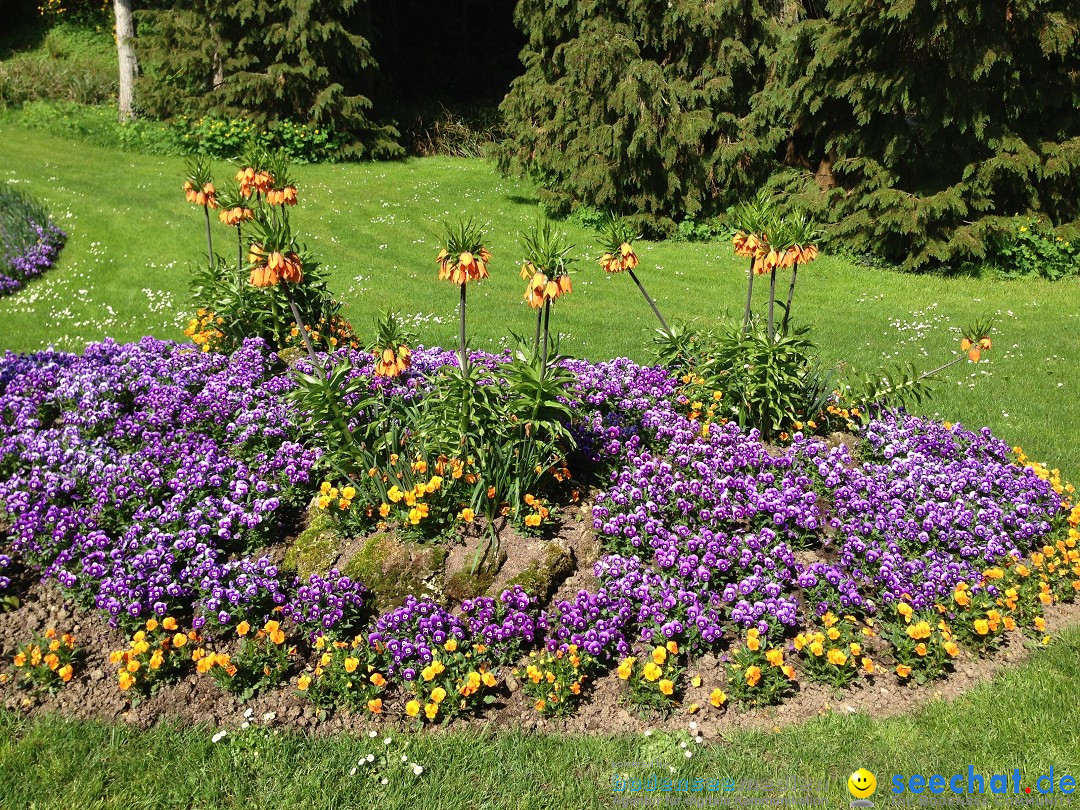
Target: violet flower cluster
<point x="620" y="404"/>
<point x="407" y="638"/>
<point x="601" y="623"/>
<point x="22" y="258"/>
<point x="933" y="506"/>
<point x="142" y="477"/>
<point x="322" y="604"/>
<point x="130" y="472"/>
<point x="240" y="590"/>
<point x="505" y="625"/>
<point x="721" y="517"/>
<point x="925" y="507"/>
<point x="666" y="609"/>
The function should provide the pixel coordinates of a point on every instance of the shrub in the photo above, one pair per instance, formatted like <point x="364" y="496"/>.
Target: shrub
<point x="26" y="79"/>
<point x="98" y="125"/>
<point x="922" y="153"/>
<point x="75" y="63"/>
<point x="441" y="131"/>
<point x="251" y="61"/>
<point x="230" y="138"/>
<point x="1030" y="247"/>
<point x="79" y="12"/>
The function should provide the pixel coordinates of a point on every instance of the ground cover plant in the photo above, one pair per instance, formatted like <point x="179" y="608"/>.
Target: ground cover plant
<point x="725" y="519"/>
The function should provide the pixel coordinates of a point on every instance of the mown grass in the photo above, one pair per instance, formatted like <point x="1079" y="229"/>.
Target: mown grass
<point x="1024" y="719"/>
<point x="124" y="274"/>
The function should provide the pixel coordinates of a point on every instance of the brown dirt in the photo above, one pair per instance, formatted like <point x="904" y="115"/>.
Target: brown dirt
<point x="577" y="532"/>
<point x="93" y="693"/>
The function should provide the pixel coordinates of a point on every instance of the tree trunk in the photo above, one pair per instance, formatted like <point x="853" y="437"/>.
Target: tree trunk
<point x="824" y="175"/>
<point x="125" y="49"/>
<point x="219" y="64"/>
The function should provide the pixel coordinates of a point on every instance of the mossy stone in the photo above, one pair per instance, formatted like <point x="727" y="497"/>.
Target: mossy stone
<point x="291" y="356"/>
<point x="392" y="568"/>
<point x="316" y="549"/>
<point x="543" y="575"/>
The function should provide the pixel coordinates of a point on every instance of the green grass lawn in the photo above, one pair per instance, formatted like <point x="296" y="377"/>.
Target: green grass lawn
<point x="124" y="274"/>
<point x="1024" y="719"/>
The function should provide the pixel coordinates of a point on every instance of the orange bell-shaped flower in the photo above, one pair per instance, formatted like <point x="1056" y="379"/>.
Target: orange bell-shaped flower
<point x="263" y="182"/>
<point x="292" y="271"/>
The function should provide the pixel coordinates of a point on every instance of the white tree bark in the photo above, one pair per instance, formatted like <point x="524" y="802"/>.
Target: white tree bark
<point x="125" y="49"/>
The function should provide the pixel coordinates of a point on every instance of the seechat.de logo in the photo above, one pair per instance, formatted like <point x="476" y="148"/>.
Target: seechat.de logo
<point x="862" y="784"/>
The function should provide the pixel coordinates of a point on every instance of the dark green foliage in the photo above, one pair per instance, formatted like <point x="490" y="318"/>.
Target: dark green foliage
<point x="764" y="379"/>
<point x="918" y="130"/>
<point x="296" y="60"/>
<point x="635" y="106"/>
<point x="927" y="125"/>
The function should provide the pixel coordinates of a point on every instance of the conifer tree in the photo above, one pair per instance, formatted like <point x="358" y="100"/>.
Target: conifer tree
<point x="927" y="124"/>
<point x="180" y="47"/>
<point x="635" y="106"/>
<point x="269" y="60"/>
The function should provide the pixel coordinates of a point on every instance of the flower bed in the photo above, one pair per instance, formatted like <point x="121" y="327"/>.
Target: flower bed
<point x="155" y="483"/>
<point x="29" y="240"/>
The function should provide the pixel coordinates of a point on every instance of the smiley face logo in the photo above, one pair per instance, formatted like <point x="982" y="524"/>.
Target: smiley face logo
<point x="862" y="784"/>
